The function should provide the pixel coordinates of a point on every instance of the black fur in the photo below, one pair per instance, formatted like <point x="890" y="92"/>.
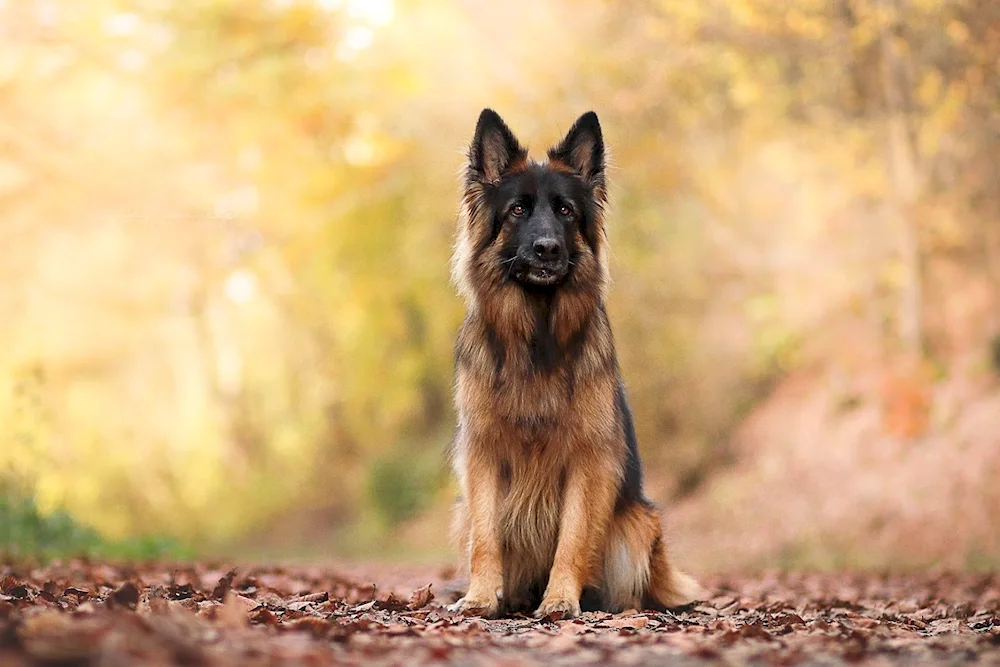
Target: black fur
<point x="536" y="183"/>
<point x="583" y="149"/>
<point x="497" y="349"/>
<point x="493" y="149"/>
<point x="630" y="491"/>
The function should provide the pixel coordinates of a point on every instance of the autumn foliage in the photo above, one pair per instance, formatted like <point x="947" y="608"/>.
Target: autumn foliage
<point x="226" y="224"/>
<point x="93" y="614"/>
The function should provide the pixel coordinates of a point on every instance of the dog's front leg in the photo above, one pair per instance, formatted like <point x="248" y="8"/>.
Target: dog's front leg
<point x="485" y="565"/>
<point x="587" y="506"/>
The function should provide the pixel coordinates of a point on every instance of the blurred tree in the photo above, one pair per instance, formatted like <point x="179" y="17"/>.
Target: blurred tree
<point x="229" y="225"/>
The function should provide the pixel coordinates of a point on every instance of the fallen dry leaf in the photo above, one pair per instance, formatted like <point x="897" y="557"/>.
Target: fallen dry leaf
<point x="421" y="597"/>
<point x="631" y="622"/>
<point x="97" y="613"/>
<point x="127" y="595"/>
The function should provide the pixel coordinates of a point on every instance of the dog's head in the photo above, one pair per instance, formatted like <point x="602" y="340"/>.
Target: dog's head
<point x="537" y="225"/>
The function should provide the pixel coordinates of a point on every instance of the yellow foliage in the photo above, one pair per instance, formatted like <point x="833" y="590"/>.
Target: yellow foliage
<point x="227" y="224"/>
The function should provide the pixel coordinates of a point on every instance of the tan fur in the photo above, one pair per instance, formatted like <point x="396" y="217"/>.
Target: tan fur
<point x="540" y="456"/>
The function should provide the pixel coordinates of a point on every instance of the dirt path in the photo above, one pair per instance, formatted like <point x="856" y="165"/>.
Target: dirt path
<point x="96" y="614"/>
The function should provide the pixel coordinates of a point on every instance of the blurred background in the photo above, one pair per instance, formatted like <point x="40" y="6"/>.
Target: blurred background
<point x="226" y="314"/>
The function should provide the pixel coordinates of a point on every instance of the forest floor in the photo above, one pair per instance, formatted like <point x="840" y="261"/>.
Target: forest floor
<point x="94" y="613"/>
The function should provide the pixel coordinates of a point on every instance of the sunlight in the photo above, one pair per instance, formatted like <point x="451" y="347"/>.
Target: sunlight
<point x="241" y="286"/>
<point x="121" y="24"/>
<point x="356" y="39"/>
<point x="376" y="12"/>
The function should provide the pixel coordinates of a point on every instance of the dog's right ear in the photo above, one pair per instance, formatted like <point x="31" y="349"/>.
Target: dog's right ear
<point x="494" y="148"/>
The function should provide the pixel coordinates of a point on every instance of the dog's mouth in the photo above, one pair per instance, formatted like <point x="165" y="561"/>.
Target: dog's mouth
<point x="540" y="275"/>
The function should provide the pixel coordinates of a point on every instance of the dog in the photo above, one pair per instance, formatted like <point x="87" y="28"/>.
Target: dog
<point x="551" y="514"/>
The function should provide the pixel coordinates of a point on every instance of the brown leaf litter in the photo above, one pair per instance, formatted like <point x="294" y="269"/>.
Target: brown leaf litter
<point x="91" y="613"/>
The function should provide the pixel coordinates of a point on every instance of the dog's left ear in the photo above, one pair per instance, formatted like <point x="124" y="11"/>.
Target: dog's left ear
<point x="583" y="150"/>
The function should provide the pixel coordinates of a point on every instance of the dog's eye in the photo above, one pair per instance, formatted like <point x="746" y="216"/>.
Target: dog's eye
<point x="564" y="210"/>
<point x="518" y="210"/>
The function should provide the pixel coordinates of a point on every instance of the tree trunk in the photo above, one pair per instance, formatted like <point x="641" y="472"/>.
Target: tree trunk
<point x="904" y="184"/>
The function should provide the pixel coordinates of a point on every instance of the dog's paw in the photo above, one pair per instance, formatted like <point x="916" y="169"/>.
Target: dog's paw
<point x="487" y="607"/>
<point x="563" y="607"/>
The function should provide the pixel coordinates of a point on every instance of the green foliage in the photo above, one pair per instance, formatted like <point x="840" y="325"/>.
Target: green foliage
<point x="398" y="488"/>
<point x="27" y="532"/>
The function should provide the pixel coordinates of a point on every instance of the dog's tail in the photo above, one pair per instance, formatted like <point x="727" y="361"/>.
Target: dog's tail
<point x="668" y="586"/>
<point x="679" y="589"/>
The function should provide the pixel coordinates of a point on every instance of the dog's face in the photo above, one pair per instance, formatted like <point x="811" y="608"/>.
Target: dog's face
<point x="540" y="211"/>
<point x="540" y="219"/>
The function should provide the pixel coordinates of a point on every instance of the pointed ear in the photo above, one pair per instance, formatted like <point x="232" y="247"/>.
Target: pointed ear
<point x="583" y="150"/>
<point x="494" y="148"/>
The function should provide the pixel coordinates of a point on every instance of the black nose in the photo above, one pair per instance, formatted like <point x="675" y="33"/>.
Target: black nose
<point x="546" y="249"/>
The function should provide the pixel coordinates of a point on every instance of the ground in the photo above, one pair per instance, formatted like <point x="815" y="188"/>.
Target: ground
<point x="93" y="613"/>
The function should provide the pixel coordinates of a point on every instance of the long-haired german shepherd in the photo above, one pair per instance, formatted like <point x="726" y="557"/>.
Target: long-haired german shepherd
<point x="552" y="510"/>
